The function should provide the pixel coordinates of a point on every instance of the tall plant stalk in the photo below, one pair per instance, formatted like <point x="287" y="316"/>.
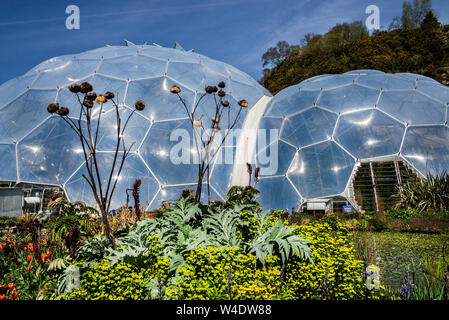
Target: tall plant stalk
<point x="89" y="141"/>
<point x="205" y="140"/>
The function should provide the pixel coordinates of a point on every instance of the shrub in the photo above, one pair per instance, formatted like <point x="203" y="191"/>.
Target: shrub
<point x="105" y="281"/>
<point x="401" y="213"/>
<point x="226" y="273"/>
<point x="336" y="273"/>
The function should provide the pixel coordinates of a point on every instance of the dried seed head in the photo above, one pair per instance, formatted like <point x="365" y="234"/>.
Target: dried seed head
<point x="63" y="111"/>
<point x="175" y="89"/>
<point x="225" y="103"/>
<point x="243" y="103"/>
<point x="91" y="96"/>
<point x="221" y="84"/>
<point x="101" y="99"/>
<point x="86" y="87"/>
<point x="215" y="119"/>
<point x="75" y="88"/>
<point x="88" y="103"/>
<point x="197" y="123"/>
<point x="209" y="89"/>
<point x="109" y="95"/>
<point x="140" y="105"/>
<point x="214" y="88"/>
<point x="53" y="107"/>
<point x="221" y="93"/>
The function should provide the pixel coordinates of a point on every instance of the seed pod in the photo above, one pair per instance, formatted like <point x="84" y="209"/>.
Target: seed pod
<point x="88" y="103"/>
<point x="63" y="111"/>
<point x="53" y="107"/>
<point x="214" y="88"/>
<point x="221" y="84"/>
<point x="197" y="123"/>
<point x="86" y="87"/>
<point x="91" y="96"/>
<point x="75" y="88"/>
<point x="243" y="103"/>
<point x="209" y="89"/>
<point x="109" y="95"/>
<point x="140" y="105"/>
<point x="215" y="119"/>
<point x="221" y="93"/>
<point x="225" y="103"/>
<point x="101" y="99"/>
<point x="175" y="89"/>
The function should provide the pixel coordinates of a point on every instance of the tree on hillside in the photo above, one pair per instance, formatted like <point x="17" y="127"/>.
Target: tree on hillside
<point x="275" y="55"/>
<point x="413" y="13"/>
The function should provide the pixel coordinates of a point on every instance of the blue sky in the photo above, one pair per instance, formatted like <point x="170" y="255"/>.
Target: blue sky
<point x="234" y="31"/>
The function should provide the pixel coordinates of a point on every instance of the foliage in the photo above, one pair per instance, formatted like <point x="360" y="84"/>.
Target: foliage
<point x="336" y="273"/>
<point x="105" y="281"/>
<point x="425" y="195"/>
<point x="423" y="50"/>
<point x="242" y="195"/>
<point x="401" y="213"/>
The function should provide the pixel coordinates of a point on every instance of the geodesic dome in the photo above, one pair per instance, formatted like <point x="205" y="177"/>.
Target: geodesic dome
<point x="330" y="123"/>
<point x="40" y="148"/>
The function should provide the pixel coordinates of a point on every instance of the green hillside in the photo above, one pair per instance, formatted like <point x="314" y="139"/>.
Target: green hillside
<point x="423" y="50"/>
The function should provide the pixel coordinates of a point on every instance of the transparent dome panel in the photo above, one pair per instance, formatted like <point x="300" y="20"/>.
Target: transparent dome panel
<point x="329" y="81"/>
<point x="50" y="153"/>
<point x="284" y="198"/>
<point x="195" y="76"/>
<point x="434" y="90"/>
<point x="164" y="152"/>
<point x="308" y="127"/>
<point x="427" y="148"/>
<point x="133" y="133"/>
<point x="14" y="88"/>
<point x="161" y="103"/>
<point x="169" y="54"/>
<point x="412" y="107"/>
<point x="321" y="170"/>
<point x="370" y="133"/>
<point x="64" y="74"/>
<point x="26" y="112"/>
<point x="133" y="67"/>
<point x="108" y="52"/>
<point x="348" y="98"/>
<point x="134" y="169"/>
<point x="275" y="159"/>
<point x="293" y="101"/>
<point x="8" y="170"/>
<point x="244" y="91"/>
<point x="386" y="81"/>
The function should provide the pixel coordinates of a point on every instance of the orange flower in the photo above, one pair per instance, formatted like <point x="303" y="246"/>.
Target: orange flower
<point x="14" y="294"/>
<point x="29" y="268"/>
<point x="45" y="256"/>
<point x="19" y="245"/>
<point x="2" y="297"/>
<point x="2" y="286"/>
<point x="30" y="247"/>
<point x="29" y="257"/>
<point x="43" y="243"/>
<point x="11" y="286"/>
<point x="1" y="246"/>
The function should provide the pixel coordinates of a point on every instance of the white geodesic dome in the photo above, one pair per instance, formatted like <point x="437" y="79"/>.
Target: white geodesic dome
<point x="330" y="123"/>
<point x="39" y="148"/>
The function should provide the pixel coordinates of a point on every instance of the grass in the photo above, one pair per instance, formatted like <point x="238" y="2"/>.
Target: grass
<point x="393" y="252"/>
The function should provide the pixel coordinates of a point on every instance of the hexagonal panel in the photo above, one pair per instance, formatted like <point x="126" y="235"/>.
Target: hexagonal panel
<point x="348" y="98"/>
<point x="194" y="75"/>
<point x="427" y="148"/>
<point x="284" y="198"/>
<point x="308" y="127"/>
<point x="66" y="73"/>
<point x="369" y="133"/>
<point x="321" y="170"/>
<point x="386" y="81"/>
<point x="50" y="153"/>
<point x="161" y="103"/>
<point x="412" y="107"/>
<point x="328" y="81"/>
<point x="291" y="100"/>
<point x="275" y="159"/>
<point x="163" y="148"/>
<point x="26" y="112"/>
<point x="133" y="67"/>
<point x="434" y="90"/>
